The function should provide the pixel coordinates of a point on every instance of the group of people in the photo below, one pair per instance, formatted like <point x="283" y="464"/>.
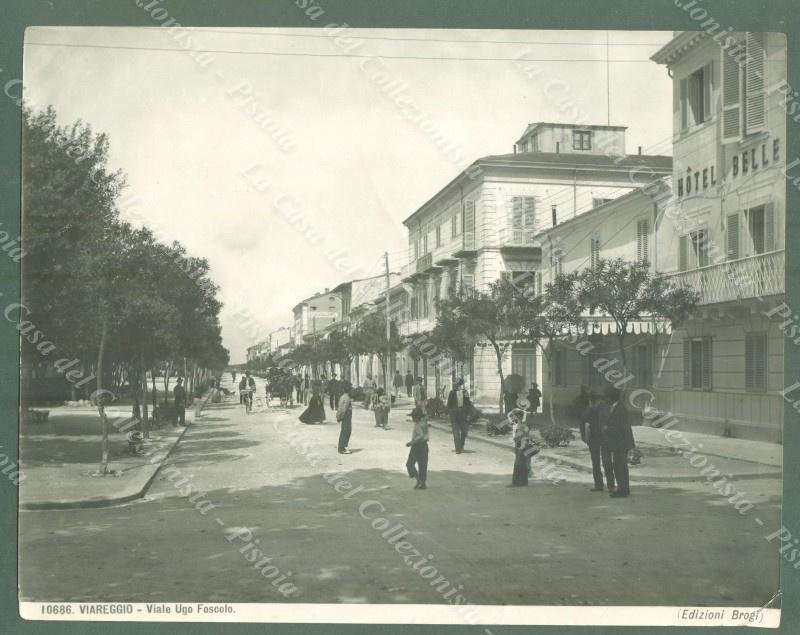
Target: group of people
<point x="604" y="423"/>
<point x="606" y="429"/>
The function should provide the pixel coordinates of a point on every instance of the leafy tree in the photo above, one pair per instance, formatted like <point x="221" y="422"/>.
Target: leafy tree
<point x="627" y="291"/>
<point x="493" y="316"/>
<point x="371" y="338"/>
<point x="550" y="316"/>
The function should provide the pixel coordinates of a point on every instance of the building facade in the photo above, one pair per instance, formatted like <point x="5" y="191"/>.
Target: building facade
<point x="724" y="231"/>
<point x="484" y="224"/>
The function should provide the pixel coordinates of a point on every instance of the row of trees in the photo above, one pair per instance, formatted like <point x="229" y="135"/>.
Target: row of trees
<point x="340" y="347"/>
<point x="105" y="294"/>
<point x="511" y="310"/>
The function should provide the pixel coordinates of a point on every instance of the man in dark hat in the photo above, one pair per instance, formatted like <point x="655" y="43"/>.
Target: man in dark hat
<point x="179" y="396"/>
<point x="616" y="429"/>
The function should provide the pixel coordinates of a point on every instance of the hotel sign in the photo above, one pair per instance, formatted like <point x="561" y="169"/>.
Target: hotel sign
<point x="751" y="160"/>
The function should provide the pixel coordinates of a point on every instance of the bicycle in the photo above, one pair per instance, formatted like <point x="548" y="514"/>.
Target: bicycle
<point x="248" y="400"/>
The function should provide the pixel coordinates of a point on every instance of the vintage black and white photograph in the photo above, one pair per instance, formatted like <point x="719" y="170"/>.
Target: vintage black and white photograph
<point x="449" y="326"/>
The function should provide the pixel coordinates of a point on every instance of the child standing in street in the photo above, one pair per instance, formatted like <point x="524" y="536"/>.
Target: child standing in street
<point x="417" y="464"/>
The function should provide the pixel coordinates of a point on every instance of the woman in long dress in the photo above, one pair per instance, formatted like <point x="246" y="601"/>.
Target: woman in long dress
<point x="524" y="449"/>
<point x="315" y="413"/>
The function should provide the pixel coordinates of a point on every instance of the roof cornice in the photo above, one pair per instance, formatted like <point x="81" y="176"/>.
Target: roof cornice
<point x="678" y="46"/>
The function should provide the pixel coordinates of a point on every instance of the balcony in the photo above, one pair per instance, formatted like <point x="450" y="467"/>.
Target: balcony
<point x="414" y="326"/>
<point x="425" y="265"/>
<point x="751" y="277"/>
<point x="468" y="248"/>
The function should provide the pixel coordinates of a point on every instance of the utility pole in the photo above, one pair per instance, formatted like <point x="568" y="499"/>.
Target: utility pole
<point x="388" y="369"/>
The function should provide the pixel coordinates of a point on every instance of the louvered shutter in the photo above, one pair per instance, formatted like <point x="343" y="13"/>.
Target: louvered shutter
<point x="769" y="227"/>
<point x="760" y="363"/>
<point x="708" y="84"/>
<point x="731" y="95"/>
<point x="755" y="99"/>
<point x="683" y="253"/>
<point x="687" y="363"/>
<point x="468" y="225"/>
<point x="683" y="102"/>
<point x="707" y="365"/>
<point x="642" y="240"/>
<point x="516" y="219"/>
<point x="733" y="237"/>
<point x="529" y="219"/>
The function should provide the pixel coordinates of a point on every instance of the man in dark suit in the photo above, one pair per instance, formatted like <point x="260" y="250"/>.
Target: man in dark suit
<point x="459" y="407"/>
<point x="333" y="392"/>
<point x="616" y="429"/>
<point x="179" y="395"/>
<point x="598" y="448"/>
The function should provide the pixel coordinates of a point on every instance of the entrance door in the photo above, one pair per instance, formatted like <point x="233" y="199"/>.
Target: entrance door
<point x="523" y="362"/>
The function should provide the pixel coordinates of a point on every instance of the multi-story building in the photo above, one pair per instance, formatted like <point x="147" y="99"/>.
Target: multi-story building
<point x="315" y="313"/>
<point x="483" y="224"/>
<point x="724" y="232"/>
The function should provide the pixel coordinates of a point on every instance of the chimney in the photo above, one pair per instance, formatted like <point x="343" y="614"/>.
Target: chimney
<point x="553" y="211"/>
<point x="640" y="150"/>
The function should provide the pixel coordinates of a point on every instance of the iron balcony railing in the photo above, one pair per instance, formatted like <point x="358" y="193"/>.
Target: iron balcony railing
<point x="752" y="277"/>
<point x="425" y="263"/>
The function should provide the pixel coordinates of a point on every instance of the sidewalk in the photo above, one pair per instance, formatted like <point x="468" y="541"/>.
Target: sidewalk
<point x="57" y="460"/>
<point x="743" y="459"/>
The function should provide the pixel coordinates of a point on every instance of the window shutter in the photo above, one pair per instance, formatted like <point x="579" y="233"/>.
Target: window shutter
<point x="687" y="363"/>
<point x="748" y="362"/>
<point x="683" y="253"/>
<point x="468" y="225"/>
<point x="769" y="227"/>
<point x="755" y="106"/>
<point x="733" y="237"/>
<point x="708" y="83"/>
<point x="731" y="95"/>
<point x="529" y="213"/>
<point x="707" y="367"/>
<point x="642" y="240"/>
<point x="683" y="102"/>
<point x="760" y="365"/>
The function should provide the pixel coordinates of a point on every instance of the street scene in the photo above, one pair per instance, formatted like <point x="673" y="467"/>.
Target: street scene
<point x="474" y="321"/>
<point x="553" y="543"/>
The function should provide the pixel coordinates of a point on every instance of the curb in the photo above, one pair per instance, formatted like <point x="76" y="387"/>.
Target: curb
<point x="106" y="501"/>
<point x="583" y="467"/>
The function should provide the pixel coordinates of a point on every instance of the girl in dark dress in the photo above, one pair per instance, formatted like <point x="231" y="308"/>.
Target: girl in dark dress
<point x="315" y="413"/>
<point x="524" y="448"/>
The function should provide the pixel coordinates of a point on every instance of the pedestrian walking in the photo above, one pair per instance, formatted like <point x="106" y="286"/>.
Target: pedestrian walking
<point x="524" y="448"/>
<point x="534" y="398"/>
<point x="306" y="389"/>
<point x="409" y="383"/>
<point x="616" y="429"/>
<point x="344" y="415"/>
<point x="381" y="407"/>
<point x="242" y="389"/>
<point x="397" y="383"/>
<point x="459" y="406"/>
<point x="298" y="386"/>
<point x="417" y="463"/>
<point x="179" y="399"/>
<point x="315" y="412"/>
<point x="419" y="395"/>
<point x="598" y="447"/>
<point x="333" y="391"/>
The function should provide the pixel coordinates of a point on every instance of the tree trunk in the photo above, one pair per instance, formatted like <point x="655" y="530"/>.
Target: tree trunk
<point x="155" y="391"/>
<point x="100" y="400"/>
<point x="167" y="371"/>
<point x="622" y="357"/>
<point x="143" y="389"/>
<point x="499" y="355"/>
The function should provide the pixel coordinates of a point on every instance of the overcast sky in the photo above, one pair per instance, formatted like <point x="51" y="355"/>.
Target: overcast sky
<point x="347" y="159"/>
